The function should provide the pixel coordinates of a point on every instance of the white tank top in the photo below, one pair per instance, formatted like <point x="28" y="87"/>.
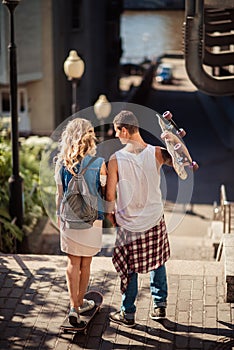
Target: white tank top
<point x="139" y="201"/>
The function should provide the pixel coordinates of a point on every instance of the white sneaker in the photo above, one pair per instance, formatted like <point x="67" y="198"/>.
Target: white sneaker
<point x="87" y="305"/>
<point x="73" y="316"/>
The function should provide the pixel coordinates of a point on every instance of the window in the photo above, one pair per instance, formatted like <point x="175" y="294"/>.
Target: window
<point x="5" y="101"/>
<point x="22" y="104"/>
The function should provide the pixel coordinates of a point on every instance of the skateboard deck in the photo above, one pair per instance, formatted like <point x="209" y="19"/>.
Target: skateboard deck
<point x="86" y="317"/>
<point x="172" y="135"/>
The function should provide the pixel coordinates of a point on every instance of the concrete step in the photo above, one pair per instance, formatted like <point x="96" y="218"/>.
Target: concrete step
<point x="188" y="248"/>
<point x="191" y="248"/>
<point x="187" y="235"/>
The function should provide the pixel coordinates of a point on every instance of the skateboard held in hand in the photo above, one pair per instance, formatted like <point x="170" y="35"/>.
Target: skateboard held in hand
<point x="172" y="135"/>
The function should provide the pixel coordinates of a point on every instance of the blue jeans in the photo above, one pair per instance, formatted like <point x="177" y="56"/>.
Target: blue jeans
<point x="158" y="288"/>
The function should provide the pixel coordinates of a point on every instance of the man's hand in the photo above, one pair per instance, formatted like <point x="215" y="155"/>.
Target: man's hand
<point x="168" y="136"/>
<point x="163" y="156"/>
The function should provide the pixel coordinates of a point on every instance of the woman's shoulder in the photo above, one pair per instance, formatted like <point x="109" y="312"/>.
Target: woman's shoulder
<point x="95" y="161"/>
<point x="100" y="159"/>
<point x="98" y="162"/>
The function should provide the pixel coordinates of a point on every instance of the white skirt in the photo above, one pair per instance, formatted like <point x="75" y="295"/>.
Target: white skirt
<point x="87" y="242"/>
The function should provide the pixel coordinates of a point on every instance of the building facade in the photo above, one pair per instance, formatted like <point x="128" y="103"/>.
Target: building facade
<point x="45" y="32"/>
<point x="154" y="4"/>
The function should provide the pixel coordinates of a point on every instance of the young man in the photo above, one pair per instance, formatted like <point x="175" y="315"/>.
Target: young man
<point x="141" y="244"/>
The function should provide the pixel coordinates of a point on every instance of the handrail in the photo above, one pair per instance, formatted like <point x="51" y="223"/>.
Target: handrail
<point x="226" y="210"/>
<point x="226" y="216"/>
<point x="223" y="196"/>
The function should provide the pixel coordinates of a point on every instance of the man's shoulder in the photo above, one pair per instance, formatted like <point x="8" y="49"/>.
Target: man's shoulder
<point x="113" y="156"/>
<point x="151" y="146"/>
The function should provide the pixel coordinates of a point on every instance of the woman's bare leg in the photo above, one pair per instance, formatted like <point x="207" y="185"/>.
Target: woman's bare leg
<point x="73" y="278"/>
<point x="84" y="278"/>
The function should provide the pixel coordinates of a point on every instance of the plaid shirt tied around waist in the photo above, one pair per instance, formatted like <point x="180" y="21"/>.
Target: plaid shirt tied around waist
<point x="140" y="252"/>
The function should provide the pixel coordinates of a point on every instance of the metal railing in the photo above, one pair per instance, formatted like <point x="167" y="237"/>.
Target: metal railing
<point x="227" y="210"/>
<point x="226" y="216"/>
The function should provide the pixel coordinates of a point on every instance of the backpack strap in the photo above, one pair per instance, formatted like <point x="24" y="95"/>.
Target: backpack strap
<point x="83" y="171"/>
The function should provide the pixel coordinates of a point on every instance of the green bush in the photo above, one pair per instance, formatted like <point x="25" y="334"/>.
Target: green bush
<point x="29" y="156"/>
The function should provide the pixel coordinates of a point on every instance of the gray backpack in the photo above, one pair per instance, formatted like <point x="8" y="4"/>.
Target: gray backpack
<point x="79" y="208"/>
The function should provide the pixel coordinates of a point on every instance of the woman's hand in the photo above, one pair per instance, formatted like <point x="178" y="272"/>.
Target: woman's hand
<point x="111" y="218"/>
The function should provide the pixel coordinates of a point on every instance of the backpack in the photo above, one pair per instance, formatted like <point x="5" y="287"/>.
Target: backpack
<point x="79" y="208"/>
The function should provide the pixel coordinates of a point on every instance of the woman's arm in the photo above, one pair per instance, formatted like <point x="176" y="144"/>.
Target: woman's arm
<point x="103" y="178"/>
<point x="59" y="191"/>
<point x="58" y="200"/>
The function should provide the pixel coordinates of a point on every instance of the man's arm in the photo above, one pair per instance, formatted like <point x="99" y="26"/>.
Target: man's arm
<point x="112" y="180"/>
<point x="163" y="156"/>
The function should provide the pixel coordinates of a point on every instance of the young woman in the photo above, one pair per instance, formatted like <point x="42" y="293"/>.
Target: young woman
<point x="76" y="148"/>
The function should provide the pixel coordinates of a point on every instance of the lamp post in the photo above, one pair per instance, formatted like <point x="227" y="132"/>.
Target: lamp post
<point x="102" y="109"/>
<point x="15" y="181"/>
<point x="74" y="69"/>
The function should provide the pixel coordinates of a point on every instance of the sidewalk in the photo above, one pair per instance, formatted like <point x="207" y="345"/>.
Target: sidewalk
<point x="34" y="302"/>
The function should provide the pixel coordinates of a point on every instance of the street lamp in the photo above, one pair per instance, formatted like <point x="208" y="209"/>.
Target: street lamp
<point x="15" y="181"/>
<point x="102" y="109"/>
<point x="74" y="69"/>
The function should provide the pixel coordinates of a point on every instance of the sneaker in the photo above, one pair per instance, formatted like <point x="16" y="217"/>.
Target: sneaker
<point x="158" y="313"/>
<point x="73" y="316"/>
<point x="118" y="317"/>
<point x="87" y="305"/>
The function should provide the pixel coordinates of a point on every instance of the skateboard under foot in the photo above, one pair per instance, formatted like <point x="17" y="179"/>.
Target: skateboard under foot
<point x="85" y="317"/>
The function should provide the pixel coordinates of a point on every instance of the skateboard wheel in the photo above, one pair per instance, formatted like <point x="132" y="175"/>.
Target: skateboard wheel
<point x="177" y="147"/>
<point x="195" y="166"/>
<point x="181" y="132"/>
<point x="167" y="115"/>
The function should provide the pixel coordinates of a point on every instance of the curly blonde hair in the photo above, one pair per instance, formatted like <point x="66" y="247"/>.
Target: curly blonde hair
<point x="77" y="140"/>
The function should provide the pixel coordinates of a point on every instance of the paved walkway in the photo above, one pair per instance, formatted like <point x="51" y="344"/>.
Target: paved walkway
<point x="34" y="302"/>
